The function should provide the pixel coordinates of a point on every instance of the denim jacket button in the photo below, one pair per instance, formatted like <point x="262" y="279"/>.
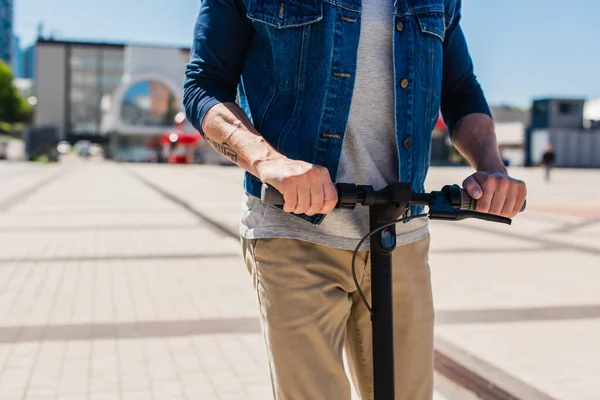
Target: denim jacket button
<point x="404" y="83"/>
<point x="406" y="143"/>
<point x="399" y="26"/>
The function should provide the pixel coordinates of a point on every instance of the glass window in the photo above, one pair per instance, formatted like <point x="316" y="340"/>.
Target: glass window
<point x="84" y="94"/>
<point x="112" y="60"/>
<point x="110" y="82"/>
<point x="84" y="78"/>
<point x="149" y="103"/>
<point x="112" y="70"/>
<point x="84" y="58"/>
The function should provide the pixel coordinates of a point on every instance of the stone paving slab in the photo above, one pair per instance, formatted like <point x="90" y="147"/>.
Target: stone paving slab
<point x="109" y="290"/>
<point x="141" y="301"/>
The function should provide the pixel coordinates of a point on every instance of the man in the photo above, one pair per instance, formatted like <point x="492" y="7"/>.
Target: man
<point x="338" y="91"/>
<point x="548" y="160"/>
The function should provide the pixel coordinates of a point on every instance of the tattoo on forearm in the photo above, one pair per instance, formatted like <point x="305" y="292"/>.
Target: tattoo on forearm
<point x="224" y="148"/>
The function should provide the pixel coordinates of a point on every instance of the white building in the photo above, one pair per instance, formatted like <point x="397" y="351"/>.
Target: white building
<point x="108" y="93"/>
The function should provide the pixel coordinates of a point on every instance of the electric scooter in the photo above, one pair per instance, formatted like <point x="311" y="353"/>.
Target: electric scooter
<point x="386" y="206"/>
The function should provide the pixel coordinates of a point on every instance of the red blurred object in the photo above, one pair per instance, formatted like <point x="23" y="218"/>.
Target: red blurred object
<point x="181" y="138"/>
<point x="181" y="141"/>
<point x="440" y="124"/>
<point x="178" y="159"/>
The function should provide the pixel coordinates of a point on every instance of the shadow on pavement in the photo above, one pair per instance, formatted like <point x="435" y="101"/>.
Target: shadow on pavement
<point x="503" y="315"/>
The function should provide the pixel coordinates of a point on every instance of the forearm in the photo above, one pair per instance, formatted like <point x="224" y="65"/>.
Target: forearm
<point x="229" y="131"/>
<point x="474" y="137"/>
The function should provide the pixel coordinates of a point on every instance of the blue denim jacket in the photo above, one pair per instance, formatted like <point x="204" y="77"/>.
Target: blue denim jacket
<point x="291" y="64"/>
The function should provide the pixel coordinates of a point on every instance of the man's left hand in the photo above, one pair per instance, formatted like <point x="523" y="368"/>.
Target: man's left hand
<point x="496" y="193"/>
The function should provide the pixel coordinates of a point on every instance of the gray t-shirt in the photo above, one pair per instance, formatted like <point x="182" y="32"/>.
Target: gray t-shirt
<point x="369" y="153"/>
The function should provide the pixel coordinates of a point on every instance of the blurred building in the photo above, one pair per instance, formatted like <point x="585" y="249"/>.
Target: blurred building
<point x="25" y="87"/>
<point x="563" y="124"/>
<point x="95" y="91"/>
<point x="18" y="67"/>
<point x="510" y="125"/>
<point x="6" y="31"/>
<point x="29" y="62"/>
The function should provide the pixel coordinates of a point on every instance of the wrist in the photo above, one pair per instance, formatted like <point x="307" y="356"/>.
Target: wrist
<point x="260" y="153"/>
<point x="490" y="166"/>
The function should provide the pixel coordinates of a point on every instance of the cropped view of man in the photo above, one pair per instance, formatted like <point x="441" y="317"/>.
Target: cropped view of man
<point x="305" y="94"/>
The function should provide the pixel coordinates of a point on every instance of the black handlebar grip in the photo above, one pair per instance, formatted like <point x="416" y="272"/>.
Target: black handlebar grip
<point x="270" y="195"/>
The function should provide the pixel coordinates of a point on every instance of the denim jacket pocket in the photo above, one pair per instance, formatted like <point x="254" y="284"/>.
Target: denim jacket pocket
<point x="285" y="14"/>
<point x="433" y="23"/>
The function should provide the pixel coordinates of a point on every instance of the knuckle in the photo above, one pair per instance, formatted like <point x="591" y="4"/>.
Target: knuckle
<point x="489" y="183"/>
<point x="288" y="181"/>
<point x="522" y="187"/>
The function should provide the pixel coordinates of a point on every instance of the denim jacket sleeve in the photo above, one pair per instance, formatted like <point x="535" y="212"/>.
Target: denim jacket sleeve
<point x="221" y="38"/>
<point x="461" y="92"/>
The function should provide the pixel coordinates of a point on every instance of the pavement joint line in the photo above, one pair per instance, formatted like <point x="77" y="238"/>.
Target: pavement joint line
<point x="27" y="192"/>
<point x="444" y="364"/>
<point x="121" y="257"/>
<point x="495" y="250"/>
<point x="170" y="328"/>
<point x="556" y="244"/>
<point x="185" y="205"/>
<point x="30" y="229"/>
<point x="571" y="227"/>
<point x="524" y="314"/>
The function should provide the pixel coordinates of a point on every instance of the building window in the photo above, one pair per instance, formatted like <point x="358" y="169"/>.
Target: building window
<point x="566" y="108"/>
<point x="149" y="103"/>
<point x="95" y="72"/>
<point x="113" y="61"/>
<point x="84" y="93"/>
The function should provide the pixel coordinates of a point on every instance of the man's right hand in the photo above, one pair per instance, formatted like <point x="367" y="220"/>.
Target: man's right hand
<point x="306" y="188"/>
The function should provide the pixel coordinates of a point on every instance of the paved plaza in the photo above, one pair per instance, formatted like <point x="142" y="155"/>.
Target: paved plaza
<point x="124" y="281"/>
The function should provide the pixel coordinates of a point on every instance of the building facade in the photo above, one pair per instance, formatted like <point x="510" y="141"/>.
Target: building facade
<point x="561" y="123"/>
<point x="6" y="30"/>
<point x="17" y="59"/>
<point x="78" y="83"/>
<point x="29" y="62"/>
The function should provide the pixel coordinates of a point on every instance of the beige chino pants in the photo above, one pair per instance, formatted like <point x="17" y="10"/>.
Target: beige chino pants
<point x="310" y="313"/>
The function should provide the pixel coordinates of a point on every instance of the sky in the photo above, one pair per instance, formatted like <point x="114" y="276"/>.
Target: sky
<point x="521" y="49"/>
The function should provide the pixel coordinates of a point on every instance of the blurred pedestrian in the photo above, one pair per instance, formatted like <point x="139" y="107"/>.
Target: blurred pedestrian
<point x="548" y="161"/>
<point x="339" y="91"/>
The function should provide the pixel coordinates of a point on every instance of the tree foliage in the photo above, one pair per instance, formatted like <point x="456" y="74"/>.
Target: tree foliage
<point x="13" y="107"/>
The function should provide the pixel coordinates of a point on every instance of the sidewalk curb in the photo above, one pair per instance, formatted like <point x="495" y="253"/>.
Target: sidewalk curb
<point x="488" y="382"/>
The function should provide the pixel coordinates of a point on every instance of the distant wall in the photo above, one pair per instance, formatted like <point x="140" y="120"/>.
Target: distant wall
<point x="574" y="148"/>
<point x="51" y="87"/>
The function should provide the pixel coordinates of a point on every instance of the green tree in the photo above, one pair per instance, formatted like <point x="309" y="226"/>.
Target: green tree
<point x="13" y="107"/>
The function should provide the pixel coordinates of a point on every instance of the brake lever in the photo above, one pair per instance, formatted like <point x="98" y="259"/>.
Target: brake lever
<point x="486" y="217"/>
<point x="459" y="215"/>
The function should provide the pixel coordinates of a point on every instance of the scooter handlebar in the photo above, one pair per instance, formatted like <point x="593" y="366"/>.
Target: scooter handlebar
<point x="270" y="195"/>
